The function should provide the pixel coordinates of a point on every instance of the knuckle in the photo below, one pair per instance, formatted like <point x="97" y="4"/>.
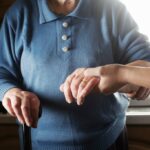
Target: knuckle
<point x="26" y="98"/>
<point x="101" y="71"/>
<point x="27" y="95"/>
<point x="75" y="78"/>
<point x="68" y="79"/>
<point x="23" y="92"/>
<point x="16" y="92"/>
<point x="79" y="70"/>
<point x="32" y="94"/>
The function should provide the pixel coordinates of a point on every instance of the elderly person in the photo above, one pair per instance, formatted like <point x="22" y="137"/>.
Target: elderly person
<point x="42" y="42"/>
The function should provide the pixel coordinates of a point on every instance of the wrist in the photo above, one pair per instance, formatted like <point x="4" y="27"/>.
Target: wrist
<point x="123" y="74"/>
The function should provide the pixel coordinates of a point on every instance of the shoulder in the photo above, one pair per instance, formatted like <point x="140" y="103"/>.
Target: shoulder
<point x="108" y="6"/>
<point x="20" y="9"/>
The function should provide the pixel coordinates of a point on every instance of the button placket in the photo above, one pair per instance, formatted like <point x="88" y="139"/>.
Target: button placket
<point x="64" y="37"/>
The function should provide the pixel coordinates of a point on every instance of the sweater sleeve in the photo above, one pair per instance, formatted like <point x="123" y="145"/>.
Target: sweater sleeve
<point x="130" y="44"/>
<point x="9" y="67"/>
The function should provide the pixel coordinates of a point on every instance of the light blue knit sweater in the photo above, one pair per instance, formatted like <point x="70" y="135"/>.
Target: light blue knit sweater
<point x="33" y="57"/>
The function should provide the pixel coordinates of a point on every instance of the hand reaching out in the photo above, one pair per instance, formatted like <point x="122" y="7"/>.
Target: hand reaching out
<point x="110" y="77"/>
<point x="105" y="79"/>
<point x="114" y="78"/>
<point x="83" y="81"/>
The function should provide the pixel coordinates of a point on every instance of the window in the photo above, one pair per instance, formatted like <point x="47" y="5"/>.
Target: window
<point x="140" y="10"/>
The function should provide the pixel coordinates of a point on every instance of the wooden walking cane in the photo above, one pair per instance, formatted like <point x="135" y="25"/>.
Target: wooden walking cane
<point x="26" y="137"/>
<point x="27" y="145"/>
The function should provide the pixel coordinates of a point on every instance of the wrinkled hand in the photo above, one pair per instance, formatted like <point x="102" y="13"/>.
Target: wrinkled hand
<point x="76" y="87"/>
<point x="23" y="105"/>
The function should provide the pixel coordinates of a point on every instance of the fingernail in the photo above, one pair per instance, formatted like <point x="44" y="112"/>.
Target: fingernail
<point x="79" y="103"/>
<point x="69" y="101"/>
<point x="28" y="124"/>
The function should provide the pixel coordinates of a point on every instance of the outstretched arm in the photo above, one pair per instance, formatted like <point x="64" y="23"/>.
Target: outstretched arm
<point x="108" y="79"/>
<point x="114" y="76"/>
<point x="137" y="75"/>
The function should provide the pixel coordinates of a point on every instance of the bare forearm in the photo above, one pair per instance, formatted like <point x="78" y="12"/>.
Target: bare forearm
<point x="141" y="63"/>
<point x="125" y="72"/>
<point x="139" y="76"/>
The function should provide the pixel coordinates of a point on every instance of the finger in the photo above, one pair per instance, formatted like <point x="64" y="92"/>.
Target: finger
<point x="67" y="90"/>
<point x="86" y="88"/>
<point x="131" y="95"/>
<point x="61" y="88"/>
<point x="7" y="105"/>
<point x="148" y="93"/>
<point x="142" y="94"/>
<point x="129" y="89"/>
<point x="75" y="85"/>
<point x="76" y="81"/>
<point x="35" y="102"/>
<point x="80" y="96"/>
<point x="92" y="71"/>
<point x="16" y="106"/>
<point x="83" y="84"/>
<point x="25" y="107"/>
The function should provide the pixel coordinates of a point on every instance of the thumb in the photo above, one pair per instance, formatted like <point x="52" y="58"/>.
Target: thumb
<point x="92" y="71"/>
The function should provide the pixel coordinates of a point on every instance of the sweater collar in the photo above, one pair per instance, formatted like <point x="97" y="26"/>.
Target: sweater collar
<point x="82" y="11"/>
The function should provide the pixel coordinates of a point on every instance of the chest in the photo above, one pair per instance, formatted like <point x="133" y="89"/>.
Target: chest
<point x="67" y="40"/>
